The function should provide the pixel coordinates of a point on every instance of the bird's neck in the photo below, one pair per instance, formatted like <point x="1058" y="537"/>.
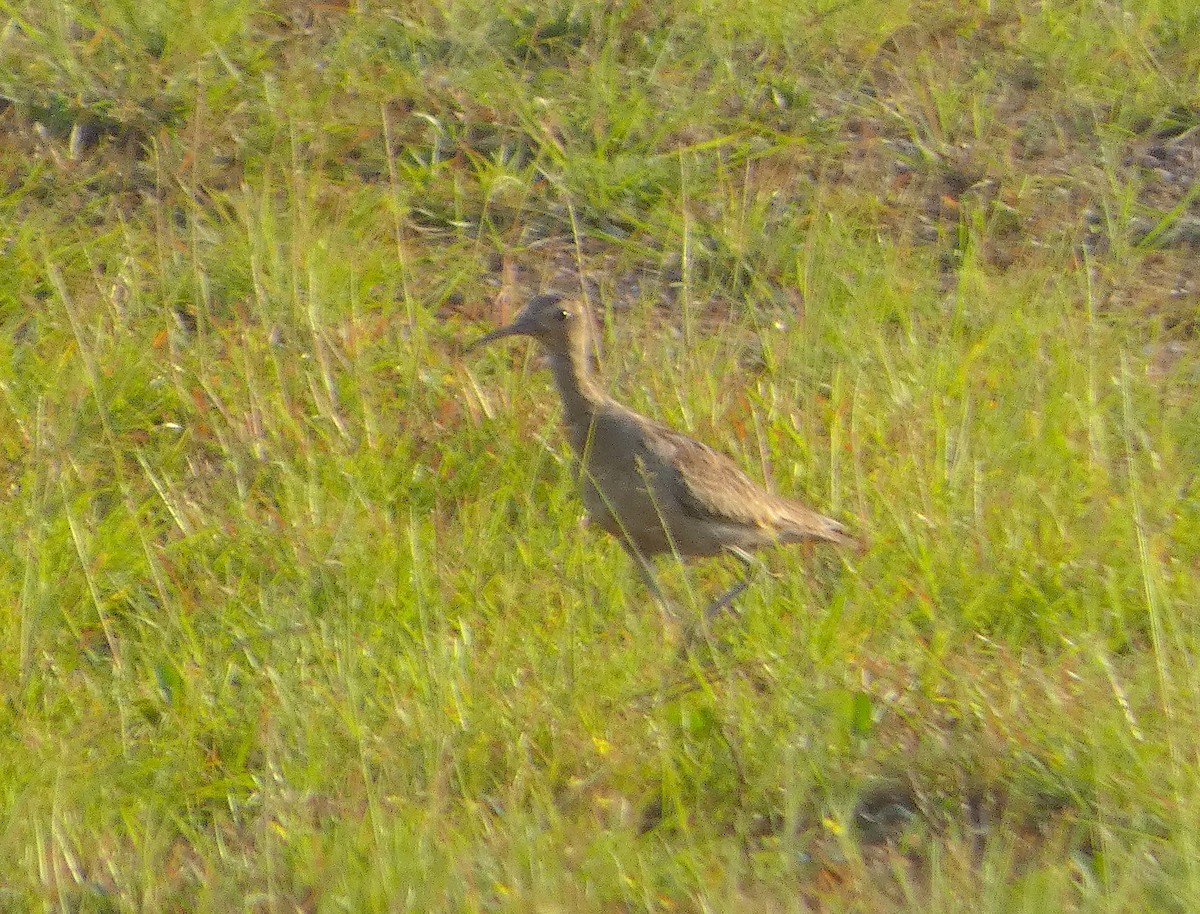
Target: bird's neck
<point x="581" y="393"/>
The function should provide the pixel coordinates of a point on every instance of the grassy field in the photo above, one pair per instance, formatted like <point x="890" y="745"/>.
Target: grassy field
<point x="296" y="610"/>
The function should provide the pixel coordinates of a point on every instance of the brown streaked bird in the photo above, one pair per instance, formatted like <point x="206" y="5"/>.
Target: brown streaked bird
<point x="653" y="488"/>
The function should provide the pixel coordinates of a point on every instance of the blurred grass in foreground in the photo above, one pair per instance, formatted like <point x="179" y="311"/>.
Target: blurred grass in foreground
<point x="300" y="615"/>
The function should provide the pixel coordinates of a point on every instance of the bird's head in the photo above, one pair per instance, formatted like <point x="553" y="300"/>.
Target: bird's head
<point x="554" y="320"/>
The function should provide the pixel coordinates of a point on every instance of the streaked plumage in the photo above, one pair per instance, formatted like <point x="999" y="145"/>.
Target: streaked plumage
<point x="655" y="489"/>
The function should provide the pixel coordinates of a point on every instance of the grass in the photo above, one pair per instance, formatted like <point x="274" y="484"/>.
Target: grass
<point x="299" y="612"/>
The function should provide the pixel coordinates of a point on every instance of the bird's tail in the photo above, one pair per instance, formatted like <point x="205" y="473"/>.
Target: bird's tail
<point x="836" y="533"/>
<point x="815" y="527"/>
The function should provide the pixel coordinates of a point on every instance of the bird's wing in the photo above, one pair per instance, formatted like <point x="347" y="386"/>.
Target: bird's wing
<point x="708" y="485"/>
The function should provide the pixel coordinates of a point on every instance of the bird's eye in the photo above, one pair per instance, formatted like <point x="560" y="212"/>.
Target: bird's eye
<point x="563" y="314"/>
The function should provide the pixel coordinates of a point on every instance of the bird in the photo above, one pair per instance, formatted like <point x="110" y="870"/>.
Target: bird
<point x="655" y="489"/>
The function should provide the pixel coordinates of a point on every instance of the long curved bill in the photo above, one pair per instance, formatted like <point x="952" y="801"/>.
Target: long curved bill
<point x="513" y="329"/>
<point x="507" y="330"/>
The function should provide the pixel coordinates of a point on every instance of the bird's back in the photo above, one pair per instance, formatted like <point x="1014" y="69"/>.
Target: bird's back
<point x="666" y="492"/>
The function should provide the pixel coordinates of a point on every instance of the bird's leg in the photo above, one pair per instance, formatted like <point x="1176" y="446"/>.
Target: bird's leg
<point x="722" y="602"/>
<point x="650" y="579"/>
